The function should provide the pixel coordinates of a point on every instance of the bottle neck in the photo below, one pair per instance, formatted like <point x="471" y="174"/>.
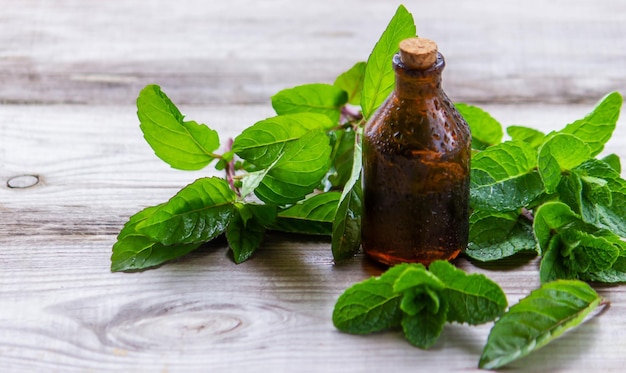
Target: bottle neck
<point x="417" y="83"/>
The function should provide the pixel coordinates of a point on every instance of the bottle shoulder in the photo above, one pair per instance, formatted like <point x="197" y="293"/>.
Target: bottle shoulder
<point x="411" y="125"/>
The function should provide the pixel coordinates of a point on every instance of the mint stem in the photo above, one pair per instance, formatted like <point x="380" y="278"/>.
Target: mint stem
<point x="527" y="214"/>
<point x="350" y="114"/>
<point x="230" y="170"/>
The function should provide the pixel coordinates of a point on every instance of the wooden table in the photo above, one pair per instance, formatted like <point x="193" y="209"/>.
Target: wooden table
<point x="74" y="167"/>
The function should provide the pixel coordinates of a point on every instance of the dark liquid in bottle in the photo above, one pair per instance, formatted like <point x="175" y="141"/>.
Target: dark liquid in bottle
<point x="416" y="219"/>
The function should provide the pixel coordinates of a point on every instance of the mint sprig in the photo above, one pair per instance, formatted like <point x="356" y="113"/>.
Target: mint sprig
<point x="535" y="179"/>
<point x="419" y="301"/>
<point x="299" y="171"/>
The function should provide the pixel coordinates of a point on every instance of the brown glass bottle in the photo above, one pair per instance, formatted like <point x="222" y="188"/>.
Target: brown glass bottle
<point x="416" y="166"/>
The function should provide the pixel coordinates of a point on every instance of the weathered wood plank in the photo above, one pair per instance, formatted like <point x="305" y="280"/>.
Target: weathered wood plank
<point x="244" y="51"/>
<point x="62" y="310"/>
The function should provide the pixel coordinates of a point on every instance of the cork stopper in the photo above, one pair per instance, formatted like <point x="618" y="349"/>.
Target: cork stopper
<point x="418" y="53"/>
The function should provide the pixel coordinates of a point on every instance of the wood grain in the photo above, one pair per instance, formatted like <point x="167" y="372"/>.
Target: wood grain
<point x="69" y="73"/>
<point x="242" y="52"/>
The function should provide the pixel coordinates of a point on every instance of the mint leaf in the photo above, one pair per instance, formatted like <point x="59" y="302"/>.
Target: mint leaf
<point x="422" y="304"/>
<point x="614" y="162"/>
<point x="598" y="179"/>
<point x="246" y="231"/>
<point x="182" y="145"/>
<point x="341" y="157"/>
<point x="610" y="216"/>
<point x="197" y="213"/>
<point x="424" y="328"/>
<point x="558" y="154"/>
<point x="597" y="190"/>
<point x="299" y="170"/>
<point x="574" y="249"/>
<point x="251" y="180"/>
<point x="313" y="215"/>
<point x="537" y="320"/>
<point x="371" y="305"/>
<point x="548" y="218"/>
<point x="495" y="236"/>
<point x="528" y="135"/>
<point x="379" y="77"/>
<point x="570" y="191"/>
<point x="596" y="128"/>
<point x="503" y="177"/>
<point x="346" y="237"/>
<point x="615" y="274"/>
<point x="551" y="267"/>
<point x="315" y="98"/>
<point x="472" y="298"/>
<point x="262" y="143"/>
<point x="592" y="252"/>
<point x="486" y="130"/>
<point x="135" y="251"/>
<point x="412" y="281"/>
<point x="351" y="82"/>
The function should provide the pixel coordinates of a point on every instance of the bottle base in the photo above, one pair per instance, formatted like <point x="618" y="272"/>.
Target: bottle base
<point x="391" y="259"/>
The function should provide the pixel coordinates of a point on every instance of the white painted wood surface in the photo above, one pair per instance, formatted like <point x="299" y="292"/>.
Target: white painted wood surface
<point x="69" y="74"/>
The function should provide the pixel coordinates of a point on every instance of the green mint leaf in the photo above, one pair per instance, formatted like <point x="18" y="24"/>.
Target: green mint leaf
<point x="503" y="177"/>
<point x="614" y="162"/>
<point x="528" y="135"/>
<point x="472" y="298"/>
<point x="588" y="251"/>
<point x="246" y="231"/>
<point x="299" y="170"/>
<point x="342" y="157"/>
<point x="346" y="237"/>
<point x="313" y="215"/>
<point x="574" y="249"/>
<point x="548" y="218"/>
<point x="251" y="180"/>
<point x="351" y="82"/>
<point x="486" y="130"/>
<point x="597" y="190"/>
<point x="537" y="320"/>
<point x="596" y="128"/>
<point x="182" y="145"/>
<point x="315" y="98"/>
<point x="371" y="305"/>
<point x="379" y="75"/>
<point x="560" y="153"/>
<point x="197" y="213"/>
<point x="551" y="267"/>
<point x="424" y="328"/>
<point x="570" y="191"/>
<point x="615" y="274"/>
<point x="134" y="251"/>
<point x="414" y="279"/>
<point x="611" y="216"/>
<point x="262" y="143"/>
<point x="598" y="179"/>
<point x="423" y="305"/>
<point x="495" y="236"/>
